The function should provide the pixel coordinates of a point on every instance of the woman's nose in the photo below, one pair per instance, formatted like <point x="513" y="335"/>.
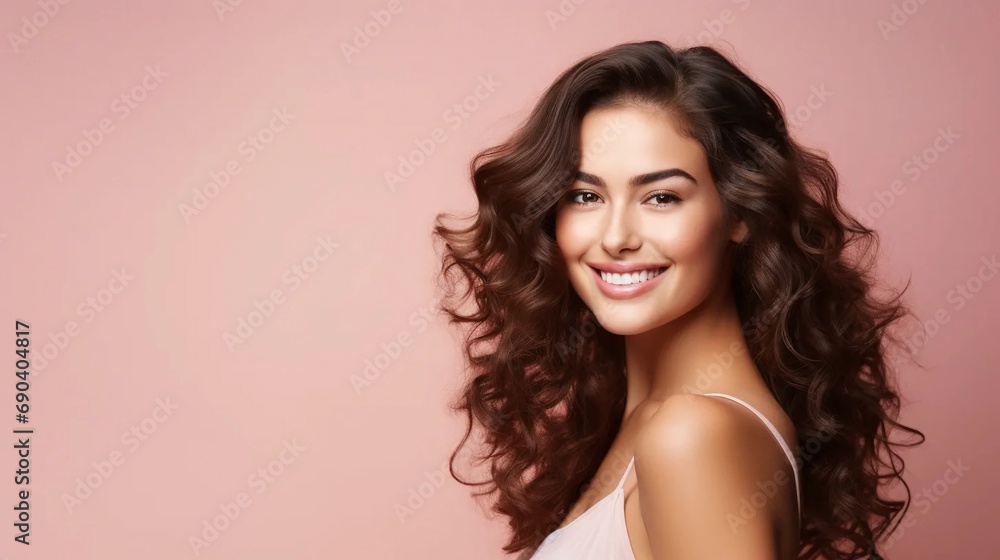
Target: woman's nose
<point x="619" y="232"/>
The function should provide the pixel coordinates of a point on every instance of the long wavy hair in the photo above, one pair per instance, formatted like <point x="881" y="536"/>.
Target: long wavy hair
<point x="547" y="383"/>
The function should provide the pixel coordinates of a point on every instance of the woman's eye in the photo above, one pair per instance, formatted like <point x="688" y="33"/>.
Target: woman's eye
<point x="584" y="198"/>
<point x="579" y="197"/>
<point x="664" y="198"/>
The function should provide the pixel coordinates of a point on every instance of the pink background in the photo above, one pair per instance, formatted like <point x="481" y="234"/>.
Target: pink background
<point x="363" y="454"/>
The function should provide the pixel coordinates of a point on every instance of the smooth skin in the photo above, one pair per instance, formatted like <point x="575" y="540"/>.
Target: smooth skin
<point x="710" y="481"/>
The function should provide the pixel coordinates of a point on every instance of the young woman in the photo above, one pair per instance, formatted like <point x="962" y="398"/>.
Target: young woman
<point x="675" y="346"/>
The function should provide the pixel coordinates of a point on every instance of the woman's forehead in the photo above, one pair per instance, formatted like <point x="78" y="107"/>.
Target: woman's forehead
<point x="633" y="140"/>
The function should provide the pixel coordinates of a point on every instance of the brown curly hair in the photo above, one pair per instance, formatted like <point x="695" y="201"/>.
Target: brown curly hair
<point x="802" y="283"/>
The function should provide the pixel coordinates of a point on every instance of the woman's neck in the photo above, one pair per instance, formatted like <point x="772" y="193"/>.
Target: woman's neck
<point x="703" y="351"/>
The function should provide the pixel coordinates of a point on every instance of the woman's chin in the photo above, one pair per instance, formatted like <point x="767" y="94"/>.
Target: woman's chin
<point x="621" y="323"/>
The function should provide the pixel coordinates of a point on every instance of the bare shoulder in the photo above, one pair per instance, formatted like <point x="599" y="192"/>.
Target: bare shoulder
<point x="689" y="423"/>
<point x="695" y="468"/>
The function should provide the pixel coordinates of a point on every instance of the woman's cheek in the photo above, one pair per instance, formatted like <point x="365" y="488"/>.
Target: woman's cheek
<point x="690" y="235"/>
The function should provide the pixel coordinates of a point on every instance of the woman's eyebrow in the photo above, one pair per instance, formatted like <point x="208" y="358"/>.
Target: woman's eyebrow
<point x="638" y="180"/>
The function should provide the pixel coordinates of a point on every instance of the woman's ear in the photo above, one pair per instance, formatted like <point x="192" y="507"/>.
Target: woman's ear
<point x="739" y="231"/>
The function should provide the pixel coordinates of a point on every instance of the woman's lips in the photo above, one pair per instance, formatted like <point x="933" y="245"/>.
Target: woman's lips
<point x="615" y="291"/>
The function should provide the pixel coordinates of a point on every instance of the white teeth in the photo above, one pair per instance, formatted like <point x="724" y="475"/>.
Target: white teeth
<point x="630" y="278"/>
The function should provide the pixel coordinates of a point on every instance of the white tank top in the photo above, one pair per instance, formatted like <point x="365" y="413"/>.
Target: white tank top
<point x="600" y="533"/>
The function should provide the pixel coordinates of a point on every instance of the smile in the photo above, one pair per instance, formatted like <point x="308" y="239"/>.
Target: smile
<point x="627" y="285"/>
<point x="633" y="278"/>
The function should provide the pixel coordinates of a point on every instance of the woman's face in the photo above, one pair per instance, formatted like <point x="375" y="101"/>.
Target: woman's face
<point x="644" y="200"/>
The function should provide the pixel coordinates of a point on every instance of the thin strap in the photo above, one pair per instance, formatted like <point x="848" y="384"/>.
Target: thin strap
<point x="621" y="483"/>
<point x="777" y="435"/>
